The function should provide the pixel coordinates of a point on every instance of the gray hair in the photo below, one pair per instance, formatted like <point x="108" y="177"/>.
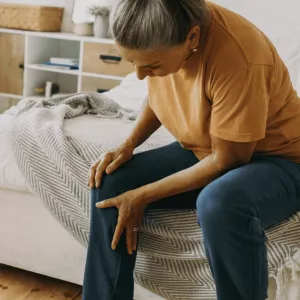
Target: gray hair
<point x="151" y="24"/>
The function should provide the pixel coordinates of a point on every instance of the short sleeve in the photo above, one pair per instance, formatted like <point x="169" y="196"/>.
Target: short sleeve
<point x="240" y="104"/>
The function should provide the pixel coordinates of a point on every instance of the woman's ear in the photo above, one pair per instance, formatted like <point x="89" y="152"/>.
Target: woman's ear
<point x="194" y="37"/>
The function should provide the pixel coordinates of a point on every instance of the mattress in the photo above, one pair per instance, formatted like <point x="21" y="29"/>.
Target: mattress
<point x="106" y="132"/>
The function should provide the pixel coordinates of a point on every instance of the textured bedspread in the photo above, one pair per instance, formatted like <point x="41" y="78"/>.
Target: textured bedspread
<point x="171" y="260"/>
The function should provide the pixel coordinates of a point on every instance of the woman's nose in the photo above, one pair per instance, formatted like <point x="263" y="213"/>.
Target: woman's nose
<point x="140" y="73"/>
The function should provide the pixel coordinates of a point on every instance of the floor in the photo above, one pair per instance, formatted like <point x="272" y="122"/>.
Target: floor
<point x="16" y="284"/>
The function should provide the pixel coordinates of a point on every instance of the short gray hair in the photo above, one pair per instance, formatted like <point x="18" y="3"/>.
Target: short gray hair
<point x="151" y="24"/>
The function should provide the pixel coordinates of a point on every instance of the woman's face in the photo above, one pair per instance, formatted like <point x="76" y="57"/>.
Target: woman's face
<point x="161" y="62"/>
<point x="156" y="63"/>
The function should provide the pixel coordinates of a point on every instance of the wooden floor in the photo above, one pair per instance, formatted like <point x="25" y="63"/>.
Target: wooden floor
<point x="16" y="284"/>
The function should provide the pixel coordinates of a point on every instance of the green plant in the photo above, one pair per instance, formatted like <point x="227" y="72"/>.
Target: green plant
<point x="102" y="11"/>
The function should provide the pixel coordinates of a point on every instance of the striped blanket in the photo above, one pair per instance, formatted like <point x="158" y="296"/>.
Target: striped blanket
<point x="171" y="260"/>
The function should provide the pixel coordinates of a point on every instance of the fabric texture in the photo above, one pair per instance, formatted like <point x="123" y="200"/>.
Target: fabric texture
<point x="236" y="87"/>
<point x="171" y="260"/>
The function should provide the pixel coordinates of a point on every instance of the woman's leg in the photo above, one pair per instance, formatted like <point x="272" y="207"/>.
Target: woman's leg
<point x="233" y="212"/>
<point x="108" y="273"/>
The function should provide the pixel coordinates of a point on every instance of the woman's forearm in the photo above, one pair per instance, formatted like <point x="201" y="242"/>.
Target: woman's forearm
<point x="190" y="179"/>
<point x="146" y="125"/>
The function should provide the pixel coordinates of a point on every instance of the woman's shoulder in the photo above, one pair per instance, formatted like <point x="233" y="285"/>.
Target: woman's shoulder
<point x="235" y="42"/>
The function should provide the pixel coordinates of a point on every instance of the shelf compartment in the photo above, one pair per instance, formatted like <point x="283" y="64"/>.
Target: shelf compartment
<point x="38" y="78"/>
<point x="52" y="69"/>
<point x="96" y="84"/>
<point x="40" y="49"/>
<point x="104" y="58"/>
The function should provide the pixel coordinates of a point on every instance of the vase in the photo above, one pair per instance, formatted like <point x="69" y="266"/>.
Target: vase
<point x="83" y="29"/>
<point x="101" y="27"/>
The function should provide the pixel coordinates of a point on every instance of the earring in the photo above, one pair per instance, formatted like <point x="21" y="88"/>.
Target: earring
<point x="195" y="50"/>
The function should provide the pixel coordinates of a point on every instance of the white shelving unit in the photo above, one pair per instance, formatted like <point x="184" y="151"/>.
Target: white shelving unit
<point x="39" y="47"/>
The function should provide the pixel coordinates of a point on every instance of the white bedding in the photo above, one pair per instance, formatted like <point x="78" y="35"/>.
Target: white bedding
<point x="89" y="128"/>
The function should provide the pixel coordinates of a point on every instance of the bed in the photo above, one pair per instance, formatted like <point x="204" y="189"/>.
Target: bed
<point x="48" y="248"/>
<point x="35" y="248"/>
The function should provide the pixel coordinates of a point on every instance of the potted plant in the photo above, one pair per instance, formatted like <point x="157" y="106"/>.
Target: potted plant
<point x="101" y="24"/>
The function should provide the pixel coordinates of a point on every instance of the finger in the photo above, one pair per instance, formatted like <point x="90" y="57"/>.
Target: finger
<point x="115" y="164"/>
<point x="134" y="242"/>
<point x="100" y="169"/>
<point x="92" y="173"/>
<point x="108" y="203"/>
<point x="118" y="232"/>
<point x="129" y="240"/>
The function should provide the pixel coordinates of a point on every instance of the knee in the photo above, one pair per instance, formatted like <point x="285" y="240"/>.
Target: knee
<point x="112" y="185"/>
<point x="221" y="205"/>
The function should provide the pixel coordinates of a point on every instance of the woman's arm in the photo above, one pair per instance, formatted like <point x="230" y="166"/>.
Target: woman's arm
<point x="146" y="125"/>
<point x="226" y="156"/>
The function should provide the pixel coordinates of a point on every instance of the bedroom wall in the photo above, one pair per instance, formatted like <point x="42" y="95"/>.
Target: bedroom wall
<point x="279" y="19"/>
<point x="275" y="17"/>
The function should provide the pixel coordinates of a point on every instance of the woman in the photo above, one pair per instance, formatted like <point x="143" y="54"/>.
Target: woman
<point x="218" y="85"/>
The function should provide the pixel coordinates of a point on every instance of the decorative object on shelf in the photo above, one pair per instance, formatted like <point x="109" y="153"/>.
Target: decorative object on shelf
<point x="101" y="24"/>
<point x="31" y="17"/>
<point x="80" y="14"/>
<point x="51" y="89"/>
<point x="83" y="29"/>
<point x="67" y="23"/>
<point x="48" y="90"/>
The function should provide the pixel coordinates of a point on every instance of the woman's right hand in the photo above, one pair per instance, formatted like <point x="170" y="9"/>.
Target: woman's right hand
<point x="108" y="163"/>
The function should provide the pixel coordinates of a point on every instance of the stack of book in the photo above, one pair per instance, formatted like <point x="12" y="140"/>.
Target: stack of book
<point x="62" y="63"/>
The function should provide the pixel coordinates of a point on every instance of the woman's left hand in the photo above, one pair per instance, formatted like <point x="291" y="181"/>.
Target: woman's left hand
<point x="131" y="211"/>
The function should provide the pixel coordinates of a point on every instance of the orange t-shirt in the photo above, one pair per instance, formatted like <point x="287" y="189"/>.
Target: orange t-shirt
<point x="236" y="88"/>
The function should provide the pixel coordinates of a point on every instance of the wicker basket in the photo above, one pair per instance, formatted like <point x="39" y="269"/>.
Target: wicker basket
<point x="28" y="17"/>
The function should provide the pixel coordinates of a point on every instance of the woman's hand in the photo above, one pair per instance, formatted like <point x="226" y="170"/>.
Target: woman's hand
<point x="131" y="212"/>
<point x="108" y="163"/>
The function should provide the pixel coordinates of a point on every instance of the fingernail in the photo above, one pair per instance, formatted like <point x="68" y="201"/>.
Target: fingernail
<point x="113" y="247"/>
<point x="130" y="251"/>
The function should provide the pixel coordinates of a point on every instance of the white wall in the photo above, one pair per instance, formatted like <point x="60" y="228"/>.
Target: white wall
<point x="280" y="20"/>
<point x="275" y="17"/>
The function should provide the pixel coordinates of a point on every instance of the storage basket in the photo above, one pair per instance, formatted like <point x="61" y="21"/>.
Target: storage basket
<point x="29" y="17"/>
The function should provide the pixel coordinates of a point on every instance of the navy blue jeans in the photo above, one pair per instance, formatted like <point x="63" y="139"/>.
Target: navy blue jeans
<point x="233" y="212"/>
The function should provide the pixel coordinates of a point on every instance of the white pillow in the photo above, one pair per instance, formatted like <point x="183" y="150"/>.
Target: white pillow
<point x="131" y="92"/>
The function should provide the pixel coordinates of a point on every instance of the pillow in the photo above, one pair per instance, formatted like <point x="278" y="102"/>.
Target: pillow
<point x="131" y="92"/>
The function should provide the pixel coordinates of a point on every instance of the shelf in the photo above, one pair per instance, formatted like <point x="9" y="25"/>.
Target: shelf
<point x="102" y="76"/>
<point x="59" y="35"/>
<point x="51" y="69"/>
<point x="11" y="96"/>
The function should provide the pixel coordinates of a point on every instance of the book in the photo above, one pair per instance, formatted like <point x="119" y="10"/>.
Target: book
<point x="61" y="66"/>
<point x="64" y="61"/>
